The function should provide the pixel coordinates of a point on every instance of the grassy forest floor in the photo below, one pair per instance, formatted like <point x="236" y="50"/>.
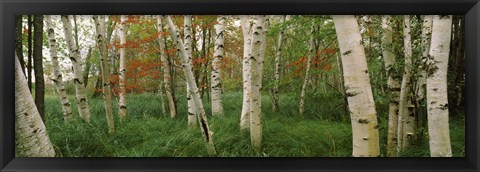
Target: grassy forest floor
<point x="323" y="131"/>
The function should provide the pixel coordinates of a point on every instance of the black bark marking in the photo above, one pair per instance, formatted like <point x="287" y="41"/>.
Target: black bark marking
<point x="26" y="114"/>
<point x="347" y="52"/>
<point x="435" y="89"/>
<point x="77" y="81"/>
<point x="66" y="104"/>
<point x="366" y="71"/>
<point x="73" y="59"/>
<point x="433" y="102"/>
<point x="123" y="107"/>
<point x="376" y="127"/>
<point x="444" y="106"/>
<point x="205" y="129"/>
<point x="190" y="113"/>
<point x="351" y="94"/>
<point x="83" y="99"/>
<point x="432" y="70"/>
<point x="363" y="121"/>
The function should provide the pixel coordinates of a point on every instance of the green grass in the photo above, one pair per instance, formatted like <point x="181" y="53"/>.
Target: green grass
<point x="323" y="131"/>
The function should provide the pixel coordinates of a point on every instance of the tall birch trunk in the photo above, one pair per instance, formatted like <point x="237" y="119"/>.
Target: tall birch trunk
<point x="217" y="105"/>
<point x="80" y="93"/>
<point x="247" y="44"/>
<point x="358" y="89"/>
<point x="437" y="102"/>
<point x="278" y="56"/>
<point x="57" y="75"/>
<point x="406" y="119"/>
<point x="187" y="32"/>
<point x="122" y="102"/>
<point x="393" y="85"/>
<point x="31" y="138"/>
<point x="187" y="69"/>
<point x="166" y="69"/>
<point x="307" y="71"/>
<point x="256" y="59"/>
<point x="105" y="68"/>
<point x="425" y="37"/>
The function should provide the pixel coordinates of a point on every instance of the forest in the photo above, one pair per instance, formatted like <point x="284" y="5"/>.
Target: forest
<point x="239" y="86"/>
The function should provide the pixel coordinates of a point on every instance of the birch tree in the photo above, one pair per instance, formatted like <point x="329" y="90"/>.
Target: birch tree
<point x="247" y="42"/>
<point x="187" y="32"/>
<point x="217" y="105"/>
<point x="122" y="102"/>
<point x="406" y="119"/>
<point x="74" y="53"/>
<point x="31" y="138"/>
<point x="425" y="39"/>
<point x="437" y="101"/>
<point x="256" y="59"/>
<point x="187" y="69"/>
<point x="57" y="75"/>
<point x="166" y="70"/>
<point x="105" y="68"/>
<point x="358" y="89"/>
<point x="307" y="71"/>
<point x="278" y="56"/>
<point x="393" y="85"/>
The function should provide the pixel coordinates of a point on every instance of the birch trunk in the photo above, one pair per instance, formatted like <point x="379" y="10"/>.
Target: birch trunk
<point x="105" y="68"/>
<point x="31" y="139"/>
<point x="187" y="69"/>
<point x="38" y="64"/>
<point x="122" y="102"/>
<point x="358" y="89"/>
<point x="57" y="75"/>
<point x="187" y="32"/>
<point x="437" y="102"/>
<point x="256" y="59"/>
<point x="406" y="119"/>
<point x="80" y="93"/>
<point x="393" y="85"/>
<point x="217" y="105"/>
<point x="307" y="71"/>
<point x="278" y="56"/>
<point x="166" y="69"/>
<point x="247" y="44"/>
<point x="426" y="35"/>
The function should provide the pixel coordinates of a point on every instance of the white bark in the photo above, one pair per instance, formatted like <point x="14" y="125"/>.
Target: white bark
<point x="357" y="86"/>
<point x="166" y="70"/>
<point x="437" y="102"/>
<point x="122" y="102"/>
<point x="247" y="41"/>
<point x="57" y="75"/>
<point x="187" y="32"/>
<point x="31" y="139"/>
<point x="105" y="68"/>
<point x="74" y="52"/>
<point x="426" y="35"/>
<point x="393" y="85"/>
<point x="307" y="71"/>
<point x="187" y="69"/>
<point x="278" y="56"/>
<point x="406" y="119"/>
<point x="256" y="59"/>
<point x="217" y="105"/>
